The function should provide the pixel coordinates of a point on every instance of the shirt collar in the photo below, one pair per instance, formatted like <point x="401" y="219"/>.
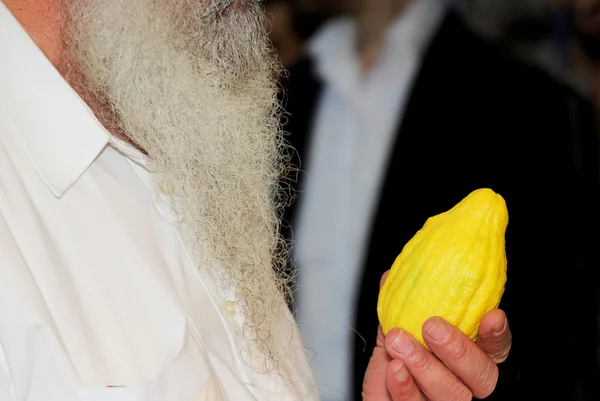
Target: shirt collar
<point x="332" y="47"/>
<point x="57" y="129"/>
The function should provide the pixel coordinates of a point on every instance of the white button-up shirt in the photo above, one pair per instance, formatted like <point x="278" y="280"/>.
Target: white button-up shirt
<point x="99" y="299"/>
<point x="354" y="131"/>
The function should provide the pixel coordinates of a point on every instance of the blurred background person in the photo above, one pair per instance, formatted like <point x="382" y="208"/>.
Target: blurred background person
<point x="290" y="27"/>
<point x="531" y="28"/>
<point x="283" y="33"/>
<point x="397" y="111"/>
<point x="556" y="35"/>
<point x="585" y="53"/>
<point x="560" y="36"/>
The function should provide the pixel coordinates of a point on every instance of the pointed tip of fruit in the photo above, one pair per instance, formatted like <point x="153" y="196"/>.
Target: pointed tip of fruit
<point x="483" y="199"/>
<point x="484" y="195"/>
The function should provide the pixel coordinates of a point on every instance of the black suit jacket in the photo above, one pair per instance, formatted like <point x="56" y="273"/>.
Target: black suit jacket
<point x="478" y="118"/>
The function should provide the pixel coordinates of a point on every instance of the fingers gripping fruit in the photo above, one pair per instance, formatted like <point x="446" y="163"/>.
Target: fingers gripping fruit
<point x="454" y="267"/>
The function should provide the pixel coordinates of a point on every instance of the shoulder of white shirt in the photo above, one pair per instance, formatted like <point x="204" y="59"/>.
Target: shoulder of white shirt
<point x="57" y="130"/>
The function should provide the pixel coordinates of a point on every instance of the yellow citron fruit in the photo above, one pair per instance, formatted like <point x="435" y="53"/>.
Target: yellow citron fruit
<point x="454" y="267"/>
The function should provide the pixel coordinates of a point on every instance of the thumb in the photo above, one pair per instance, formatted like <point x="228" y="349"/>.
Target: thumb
<point x="374" y="384"/>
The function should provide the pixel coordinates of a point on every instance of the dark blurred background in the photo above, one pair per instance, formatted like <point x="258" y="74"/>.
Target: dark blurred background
<point x="558" y="35"/>
<point x="397" y="109"/>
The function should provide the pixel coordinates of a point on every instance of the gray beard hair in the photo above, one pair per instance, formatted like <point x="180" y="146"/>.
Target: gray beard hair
<point x="193" y="84"/>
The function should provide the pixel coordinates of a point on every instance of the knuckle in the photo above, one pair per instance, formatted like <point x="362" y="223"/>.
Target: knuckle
<point x="461" y="393"/>
<point x="487" y="378"/>
<point x="380" y="342"/>
<point x="461" y="350"/>
<point x="371" y="374"/>
<point x="365" y="381"/>
<point x="367" y="377"/>
<point x="502" y="355"/>
<point x="411" y="391"/>
<point x="422" y="361"/>
<point x="465" y="395"/>
<point x="368" y="394"/>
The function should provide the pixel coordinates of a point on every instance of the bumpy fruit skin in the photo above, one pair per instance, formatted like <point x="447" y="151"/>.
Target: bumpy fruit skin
<point x="454" y="267"/>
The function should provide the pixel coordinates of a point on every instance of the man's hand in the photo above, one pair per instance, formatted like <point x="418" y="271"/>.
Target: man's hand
<point x="456" y="369"/>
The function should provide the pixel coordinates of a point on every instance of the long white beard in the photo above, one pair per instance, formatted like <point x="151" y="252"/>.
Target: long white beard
<point x="193" y="84"/>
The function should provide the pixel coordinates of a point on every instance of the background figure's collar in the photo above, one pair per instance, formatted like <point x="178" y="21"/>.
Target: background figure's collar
<point x="57" y="129"/>
<point x="333" y="47"/>
<point x="335" y="43"/>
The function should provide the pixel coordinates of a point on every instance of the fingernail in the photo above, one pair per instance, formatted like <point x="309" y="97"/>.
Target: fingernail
<point x="497" y="329"/>
<point x="439" y="330"/>
<point x="403" y="344"/>
<point x="400" y="373"/>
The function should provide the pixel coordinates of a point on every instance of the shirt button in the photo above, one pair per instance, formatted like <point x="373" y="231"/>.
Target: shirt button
<point x="229" y="308"/>
<point x="166" y="187"/>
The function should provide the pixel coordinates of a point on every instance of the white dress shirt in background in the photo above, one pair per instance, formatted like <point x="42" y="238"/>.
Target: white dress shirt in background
<point x="99" y="299"/>
<point x="353" y="134"/>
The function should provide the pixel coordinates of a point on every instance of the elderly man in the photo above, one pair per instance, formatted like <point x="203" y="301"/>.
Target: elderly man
<point x="139" y="156"/>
